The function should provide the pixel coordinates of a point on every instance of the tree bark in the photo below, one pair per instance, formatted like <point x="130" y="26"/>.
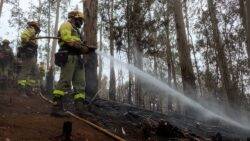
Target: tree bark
<point x="90" y="36"/>
<point x="248" y="30"/>
<point x="50" y="80"/>
<point x="169" y="60"/>
<point x="49" y="75"/>
<point x="100" y="59"/>
<point x="129" y="54"/>
<point x="112" y="82"/>
<point x="137" y="30"/>
<point x="188" y="78"/>
<point x="54" y="42"/>
<point x="243" y="13"/>
<point x="49" y="32"/>
<point x="1" y="7"/>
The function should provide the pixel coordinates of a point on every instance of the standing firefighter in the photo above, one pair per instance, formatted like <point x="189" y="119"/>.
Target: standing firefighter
<point x="6" y="62"/>
<point x="70" y="59"/>
<point x="27" y="54"/>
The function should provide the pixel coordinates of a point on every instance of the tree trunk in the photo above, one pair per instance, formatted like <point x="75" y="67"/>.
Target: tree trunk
<point x="1" y="7"/>
<point x="169" y="60"/>
<point x="49" y="75"/>
<point x="248" y="30"/>
<point x="49" y="32"/>
<point x="243" y="13"/>
<point x="138" y="84"/>
<point x="129" y="54"/>
<point x="50" y="80"/>
<point x="188" y="78"/>
<point x="221" y="56"/>
<point x="54" y="42"/>
<point x="100" y="59"/>
<point x="130" y="79"/>
<point x="112" y="82"/>
<point x="191" y="45"/>
<point x="90" y="36"/>
<point x="137" y="31"/>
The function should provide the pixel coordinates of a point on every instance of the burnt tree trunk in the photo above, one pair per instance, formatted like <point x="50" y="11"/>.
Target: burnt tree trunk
<point x="90" y="36"/>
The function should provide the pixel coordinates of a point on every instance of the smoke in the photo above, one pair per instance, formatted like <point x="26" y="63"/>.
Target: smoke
<point x="209" y="113"/>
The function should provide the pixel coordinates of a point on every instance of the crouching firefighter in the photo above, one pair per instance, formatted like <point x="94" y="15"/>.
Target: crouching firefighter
<point x="27" y="56"/>
<point x="70" y="59"/>
<point x="6" y="63"/>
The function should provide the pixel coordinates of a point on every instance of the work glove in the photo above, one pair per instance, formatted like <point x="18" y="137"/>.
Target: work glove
<point x="84" y="49"/>
<point x="81" y="46"/>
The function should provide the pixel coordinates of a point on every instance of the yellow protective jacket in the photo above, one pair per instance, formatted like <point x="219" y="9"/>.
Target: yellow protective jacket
<point x="28" y="35"/>
<point x="68" y="34"/>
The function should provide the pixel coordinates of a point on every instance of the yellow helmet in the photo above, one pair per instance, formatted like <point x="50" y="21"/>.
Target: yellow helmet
<point x="5" y="41"/>
<point x="76" y="15"/>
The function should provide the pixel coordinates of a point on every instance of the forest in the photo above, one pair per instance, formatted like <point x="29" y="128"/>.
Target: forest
<point x="190" y="57"/>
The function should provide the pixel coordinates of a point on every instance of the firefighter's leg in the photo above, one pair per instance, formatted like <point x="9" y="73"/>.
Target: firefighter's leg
<point x="79" y="86"/>
<point x="63" y="86"/>
<point x="24" y="76"/>
<point x="32" y="77"/>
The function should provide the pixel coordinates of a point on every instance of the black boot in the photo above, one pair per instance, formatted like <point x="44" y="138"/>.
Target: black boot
<point x="80" y="107"/>
<point x="22" y="91"/>
<point x="57" y="109"/>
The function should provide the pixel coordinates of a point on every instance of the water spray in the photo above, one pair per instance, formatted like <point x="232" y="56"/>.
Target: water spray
<point x="172" y="92"/>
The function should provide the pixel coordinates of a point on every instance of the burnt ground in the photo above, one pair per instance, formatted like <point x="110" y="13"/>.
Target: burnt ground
<point x="138" y="124"/>
<point x="28" y="118"/>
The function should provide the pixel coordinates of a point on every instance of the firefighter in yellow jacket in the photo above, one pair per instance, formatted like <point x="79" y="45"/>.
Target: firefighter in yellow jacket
<point x="27" y="55"/>
<point x="70" y="59"/>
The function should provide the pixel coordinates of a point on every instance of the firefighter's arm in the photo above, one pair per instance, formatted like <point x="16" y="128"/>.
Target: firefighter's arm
<point x="66" y="36"/>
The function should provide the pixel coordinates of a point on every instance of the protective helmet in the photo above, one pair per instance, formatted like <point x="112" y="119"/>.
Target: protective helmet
<point x="34" y="24"/>
<point x="5" y="41"/>
<point x="76" y="15"/>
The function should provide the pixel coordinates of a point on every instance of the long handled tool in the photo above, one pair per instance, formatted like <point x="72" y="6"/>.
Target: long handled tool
<point x="47" y="37"/>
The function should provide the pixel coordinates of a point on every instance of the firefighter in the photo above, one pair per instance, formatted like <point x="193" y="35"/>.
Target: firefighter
<point x="70" y="58"/>
<point x="6" y="62"/>
<point x="27" y="55"/>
